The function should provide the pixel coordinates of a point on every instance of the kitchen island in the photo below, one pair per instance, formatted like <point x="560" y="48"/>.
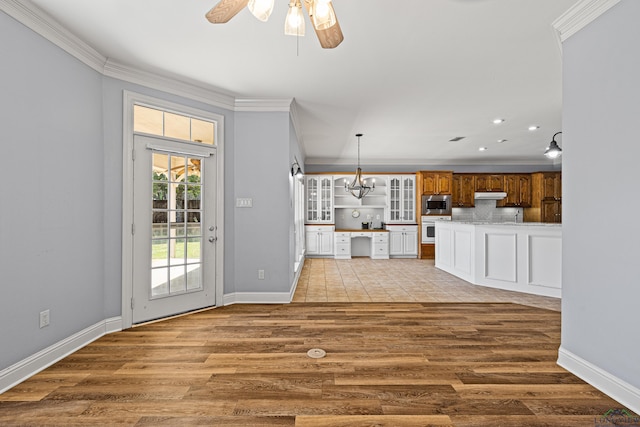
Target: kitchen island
<point x="522" y="257"/>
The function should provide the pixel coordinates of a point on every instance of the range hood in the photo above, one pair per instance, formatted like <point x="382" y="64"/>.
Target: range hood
<point x="490" y="195"/>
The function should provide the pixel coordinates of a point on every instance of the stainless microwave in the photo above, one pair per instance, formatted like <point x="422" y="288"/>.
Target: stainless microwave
<point x="436" y="204"/>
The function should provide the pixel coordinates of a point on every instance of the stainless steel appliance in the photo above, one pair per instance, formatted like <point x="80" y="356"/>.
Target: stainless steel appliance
<point x="429" y="227"/>
<point x="436" y="204"/>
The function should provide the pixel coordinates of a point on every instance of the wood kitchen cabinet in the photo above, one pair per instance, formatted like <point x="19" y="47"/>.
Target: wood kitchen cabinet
<point x="436" y="182"/>
<point x="551" y="185"/>
<point x="551" y="211"/>
<point x="518" y="189"/>
<point x="546" y="198"/>
<point x="463" y="187"/>
<point x="489" y="182"/>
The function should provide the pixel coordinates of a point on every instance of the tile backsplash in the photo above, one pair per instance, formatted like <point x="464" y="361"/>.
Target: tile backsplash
<point x="486" y="210"/>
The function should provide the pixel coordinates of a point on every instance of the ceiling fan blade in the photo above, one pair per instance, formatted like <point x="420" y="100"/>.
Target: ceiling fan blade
<point x="331" y="37"/>
<point x="328" y="37"/>
<point x="225" y="10"/>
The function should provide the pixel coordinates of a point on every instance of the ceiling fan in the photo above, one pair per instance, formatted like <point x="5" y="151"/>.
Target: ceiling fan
<point x="321" y="13"/>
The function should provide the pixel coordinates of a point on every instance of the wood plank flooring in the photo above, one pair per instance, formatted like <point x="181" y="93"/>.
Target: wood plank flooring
<point x="387" y="364"/>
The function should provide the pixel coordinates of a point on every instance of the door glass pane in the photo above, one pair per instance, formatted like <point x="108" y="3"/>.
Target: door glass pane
<point x="194" y="276"/>
<point x="147" y="120"/>
<point x="202" y="131"/>
<point x="178" y="280"/>
<point x="176" y="225"/>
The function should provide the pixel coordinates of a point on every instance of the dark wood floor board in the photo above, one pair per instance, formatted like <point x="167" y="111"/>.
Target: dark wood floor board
<point x="387" y="364"/>
<point x="523" y="421"/>
<point x="373" y="420"/>
<point x="160" y="408"/>
<point x="217" y="421"/>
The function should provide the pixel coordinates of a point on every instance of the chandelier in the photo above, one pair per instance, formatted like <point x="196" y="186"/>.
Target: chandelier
<point x="358" y="187"/>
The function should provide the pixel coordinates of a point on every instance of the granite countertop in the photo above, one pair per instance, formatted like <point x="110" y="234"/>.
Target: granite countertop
<point x="517" y="224"/>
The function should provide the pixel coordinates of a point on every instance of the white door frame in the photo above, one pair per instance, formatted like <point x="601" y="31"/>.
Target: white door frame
<point x="129" y="99"/>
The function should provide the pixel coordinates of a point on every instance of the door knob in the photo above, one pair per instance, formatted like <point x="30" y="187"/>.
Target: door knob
<point x="212" y="239"/>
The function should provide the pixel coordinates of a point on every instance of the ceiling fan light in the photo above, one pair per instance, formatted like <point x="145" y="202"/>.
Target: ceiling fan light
<point x="323" y="14"/>
<point x="294" y="22"/>
<point x="261" y="9"/>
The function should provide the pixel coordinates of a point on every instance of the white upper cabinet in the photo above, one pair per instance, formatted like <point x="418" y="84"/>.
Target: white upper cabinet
<point x="376" y="198"/>
<point x="319" y="200"/>
<point x="401" y="199"/>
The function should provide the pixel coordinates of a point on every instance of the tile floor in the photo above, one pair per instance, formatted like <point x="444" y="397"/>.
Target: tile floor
<point x="397" y="280"/>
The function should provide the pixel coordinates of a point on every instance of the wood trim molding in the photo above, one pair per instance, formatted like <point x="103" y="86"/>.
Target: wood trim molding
<point x="580" y="15"/>
<point x="604" y="381"/>
<point x="20" y="371"/>
<point x="39" y="21"/>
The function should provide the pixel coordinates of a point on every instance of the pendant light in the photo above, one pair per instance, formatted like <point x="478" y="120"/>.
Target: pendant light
<point x="322" y="14"/>
<point x="261" y="9"/>
<point x="358" y="187"/>
<point x="553" y="151"/>
<point x="294" y="22"/>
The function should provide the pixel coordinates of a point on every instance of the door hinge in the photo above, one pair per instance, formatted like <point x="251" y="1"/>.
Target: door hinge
<point x="133" y="229"/>
<point x="132" y="303"/>
<point x="133" y="155"/>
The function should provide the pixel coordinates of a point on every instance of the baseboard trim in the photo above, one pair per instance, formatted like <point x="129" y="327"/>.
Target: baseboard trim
<point x="26" y="368"/>
<point x="607" y="383"/>
<point x="257" y="298"/>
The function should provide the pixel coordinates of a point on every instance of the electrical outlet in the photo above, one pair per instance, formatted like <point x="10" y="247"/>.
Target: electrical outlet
<point x="44" y="318"/>
<point x="261" y="274"/>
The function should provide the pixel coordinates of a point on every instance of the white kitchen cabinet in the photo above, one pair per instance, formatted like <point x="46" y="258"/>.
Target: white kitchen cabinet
<point x="319" y="199"/>
<point x="401" y="191"/>
<point x="380" y="245"/>
<point x="403" y="241"/>
<point x="319" y="240"/>
<point x="342" y="245"/>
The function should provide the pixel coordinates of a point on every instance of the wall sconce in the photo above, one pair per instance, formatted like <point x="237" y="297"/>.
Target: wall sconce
<point x="295" y="169"/>
<point x="553" y="151"/>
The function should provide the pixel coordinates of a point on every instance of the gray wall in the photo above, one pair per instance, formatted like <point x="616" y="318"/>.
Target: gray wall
<point x="51" y="200"/>
<point x="262" y="174"/>
<point x="600" y="170"/>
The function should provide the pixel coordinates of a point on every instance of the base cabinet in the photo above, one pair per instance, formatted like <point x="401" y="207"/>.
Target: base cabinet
<point x="319" y="240"/>
<point x="380" y="246"/>
<point x="342" y="242"/>
<point x="403" y="241"/>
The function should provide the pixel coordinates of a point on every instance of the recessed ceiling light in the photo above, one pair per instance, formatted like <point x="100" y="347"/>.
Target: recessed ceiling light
<point x="534" y="127"/>
<point x="502" y="140"/>
<point x="497" y="121"/>
<point x="482" y="149"/>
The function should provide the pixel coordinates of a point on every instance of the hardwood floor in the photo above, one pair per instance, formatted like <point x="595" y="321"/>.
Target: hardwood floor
<point x="387" y="364"/>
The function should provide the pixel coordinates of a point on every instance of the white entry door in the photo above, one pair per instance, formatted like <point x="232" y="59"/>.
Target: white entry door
<point x="174" y="230"/>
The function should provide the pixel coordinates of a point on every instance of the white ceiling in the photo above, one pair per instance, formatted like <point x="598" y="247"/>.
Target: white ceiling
<point x="410" y="74"/>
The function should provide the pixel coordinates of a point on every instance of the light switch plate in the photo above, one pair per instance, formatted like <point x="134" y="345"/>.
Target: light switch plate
<point x="244" y="202"/>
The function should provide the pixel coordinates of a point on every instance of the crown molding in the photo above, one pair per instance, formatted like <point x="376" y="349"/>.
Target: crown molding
<point x="323" y="161"/>
<point x="580" y="15"/>
<point x="173" y="85"/>
<point x="40" y="22"/>
<point x="263" y="105"/>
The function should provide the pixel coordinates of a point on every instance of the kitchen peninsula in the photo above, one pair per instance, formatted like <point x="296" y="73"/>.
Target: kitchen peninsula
<point x="522" y="257"/>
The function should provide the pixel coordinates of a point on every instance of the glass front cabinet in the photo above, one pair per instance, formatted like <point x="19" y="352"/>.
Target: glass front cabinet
<point x="319" y="199"/>
<point x="402" y="199"/>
